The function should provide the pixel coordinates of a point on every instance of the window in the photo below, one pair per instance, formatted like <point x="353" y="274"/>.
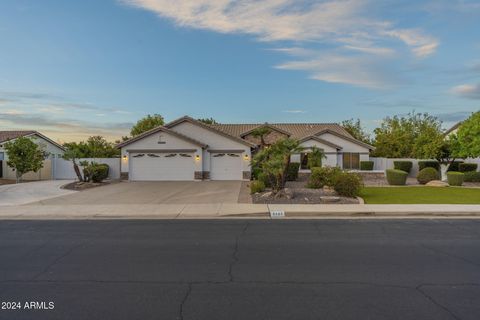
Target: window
<point x="351" y="160"/>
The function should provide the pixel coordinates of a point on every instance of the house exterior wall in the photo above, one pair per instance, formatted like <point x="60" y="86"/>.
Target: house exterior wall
<point x="347" y="146"/>
<point x="152" y="143"/>
<point x="215" y="142"/>
<point x="46" y="173"/>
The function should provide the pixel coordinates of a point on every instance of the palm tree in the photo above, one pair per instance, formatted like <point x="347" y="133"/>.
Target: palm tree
<point x="261" y="132"/>
<point x="315" y="157"/>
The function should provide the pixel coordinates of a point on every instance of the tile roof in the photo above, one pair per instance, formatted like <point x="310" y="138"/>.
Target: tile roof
<point x="9" y="135"/>
<point x="297" y="130"/>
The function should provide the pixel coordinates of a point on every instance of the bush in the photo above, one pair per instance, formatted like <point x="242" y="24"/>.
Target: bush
<point x="292" y="171"/>
<point x="263" y="177"/>
<point x="405" y="166"/>
<point x="396" y="177"/>
<point x="454" y="166"/>
<point x="471" y="176"/>
<point x="348" y="184"/>
<point x="95" y="172"/>
<point x="366" y="165"/>
<point x="467" y="167"/>
<point x="427" y="174"/>
<point x="428" y="164"/>
<point x="324" y="176"/>
<point x="256" y="171"/>
<point x="455" y="178"/>
<point x="256" y="186"/>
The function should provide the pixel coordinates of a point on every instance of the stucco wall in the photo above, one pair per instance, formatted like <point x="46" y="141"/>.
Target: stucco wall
<point x="214" y="141"/>
<point x="152" y="142"/>
<point x="347" y="146"/>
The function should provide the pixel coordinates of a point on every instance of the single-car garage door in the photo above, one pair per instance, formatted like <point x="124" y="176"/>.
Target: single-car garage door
<point x="161" y="166"/>
<point x="225" y="166"/>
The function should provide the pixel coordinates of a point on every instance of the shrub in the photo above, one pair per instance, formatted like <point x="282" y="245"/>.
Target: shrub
<point x="256" y="171"/>
<point x="454" y="166"/>
<point x="427" y="174"/>
<point x="405" y="166"/>
<point x="366" y="165"/>
<point x="324" y="176"/>
<point x="95" y="172"/>
<point x="263" y="177"/>
<point x="471" y="176"/>
<point x="455" y="178"/>
<point x="292" y="171"/>
<point x="315" y="158"/>
<point x="348" y="184"/>
<point x="466" y="167"/>
<point x="256" y="186"/>
<point x="396" y="177"/>
<point x="429" y="164"/>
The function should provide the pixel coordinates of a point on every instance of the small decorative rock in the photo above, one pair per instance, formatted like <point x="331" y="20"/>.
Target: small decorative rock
<point x="266" y="194"/>
<point x="330" y="199"/>
<point x="328" y="190"/>
<point x="437" y="183"/>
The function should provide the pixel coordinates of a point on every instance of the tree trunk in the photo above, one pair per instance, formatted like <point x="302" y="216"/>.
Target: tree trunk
<point x="77" y="171"/>
<point x="18" y="176"/>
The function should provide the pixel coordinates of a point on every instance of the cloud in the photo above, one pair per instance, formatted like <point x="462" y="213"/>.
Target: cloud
<point x="362" y="71"/>
<point x="294" y="111"/>
<point x="470" y="91"/>
<point x="454" y="116"/>
<point x="340" y="26"/>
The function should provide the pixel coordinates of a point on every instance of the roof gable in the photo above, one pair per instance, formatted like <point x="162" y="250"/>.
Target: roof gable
<point x="208" y="127"/>
<point x="160" y="129"/>
<point x="11" y="135"/>
<point x="351" y="139"/>
<point x="269" y="126"/>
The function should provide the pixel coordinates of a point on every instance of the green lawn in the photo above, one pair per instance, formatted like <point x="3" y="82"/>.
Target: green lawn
<point x="418" y="195"/>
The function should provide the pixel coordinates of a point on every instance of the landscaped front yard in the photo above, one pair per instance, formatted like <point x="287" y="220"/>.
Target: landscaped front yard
<point x="420" y="195"/>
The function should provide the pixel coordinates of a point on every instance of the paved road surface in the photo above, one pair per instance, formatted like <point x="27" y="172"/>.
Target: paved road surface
<point x="323" y="269"/>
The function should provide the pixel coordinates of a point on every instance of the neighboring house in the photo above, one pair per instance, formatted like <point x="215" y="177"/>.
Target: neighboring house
<point x="453" y="130"/>
<point x="53" y="150"/>
<point x="186" y="149"/>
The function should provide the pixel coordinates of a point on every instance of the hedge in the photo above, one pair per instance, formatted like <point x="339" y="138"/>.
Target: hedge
<point x="396" y="177"/>
<point x="403" y="165"/>
<point x="466" y="167"/>
<point x="472" y="176"/>
<point x="455" y="178"/>
<point x="257" y="186"/>
<point x="292" y="171"/>
<point x="95" y="172"/>
<point x="428" y="164"/>
<point x="348" y="184"/>
<point x="366" y="165"/>
<point x="454" y="166"/>
<point x="324" y="176"/>
<point x="428" y="174"/>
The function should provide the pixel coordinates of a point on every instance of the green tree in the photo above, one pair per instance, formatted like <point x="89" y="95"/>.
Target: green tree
<point x="416" y="135"/>
<point x="466" y="142"/>
<point x="354" y="127"/>
<point x="24" y="156"/>
<point x="147" y="123"/>
<point x="208" y="120"/>
<point x="98" y="147"/>
<point x="261" y="133"/>
<point x="315" y="157"/>
<point x="274" y="161"/>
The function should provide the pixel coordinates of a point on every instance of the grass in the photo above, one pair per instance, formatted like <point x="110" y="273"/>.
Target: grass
<point x="420" y="195"/>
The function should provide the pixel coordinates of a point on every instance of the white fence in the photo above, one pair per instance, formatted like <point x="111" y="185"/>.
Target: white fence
<point x="63" y="169"/>
<point x="382" y="164"/>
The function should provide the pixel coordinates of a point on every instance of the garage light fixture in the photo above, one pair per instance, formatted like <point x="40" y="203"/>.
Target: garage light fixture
<point x="125" y="157"/>
<point x="197" y="157"/>
<point x="246" y="157"/>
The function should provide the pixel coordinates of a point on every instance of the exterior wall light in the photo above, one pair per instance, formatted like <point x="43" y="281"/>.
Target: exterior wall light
<point x="197" y="157"/>
<point x="125" y="157"/>
<point x="246" y="157"/>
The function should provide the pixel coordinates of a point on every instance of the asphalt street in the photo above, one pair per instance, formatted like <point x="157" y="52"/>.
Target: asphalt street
<point x="239" y="269"/>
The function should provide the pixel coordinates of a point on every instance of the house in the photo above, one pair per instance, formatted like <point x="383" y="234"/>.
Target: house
<point x="187" y="149"/>
<point x="52" y="149"/>
<point x="453" y="129"/>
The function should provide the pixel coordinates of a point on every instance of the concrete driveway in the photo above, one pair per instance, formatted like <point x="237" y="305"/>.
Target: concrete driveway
<point x="161" y="192"/>
<point x="27" y="192"/>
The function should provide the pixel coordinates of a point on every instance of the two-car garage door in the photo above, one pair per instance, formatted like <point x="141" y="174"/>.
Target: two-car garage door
<point x="162" y="166"/>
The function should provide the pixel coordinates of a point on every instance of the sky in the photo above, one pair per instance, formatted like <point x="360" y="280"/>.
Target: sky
<point x="72" y="69"/>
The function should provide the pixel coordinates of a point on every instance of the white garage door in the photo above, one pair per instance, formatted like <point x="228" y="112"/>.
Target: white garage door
<point x="225" y="166"/>
<point x="161" y="167"/>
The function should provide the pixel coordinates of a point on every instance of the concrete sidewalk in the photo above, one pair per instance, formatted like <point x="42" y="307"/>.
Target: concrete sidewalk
<point x="224" y="210"/>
